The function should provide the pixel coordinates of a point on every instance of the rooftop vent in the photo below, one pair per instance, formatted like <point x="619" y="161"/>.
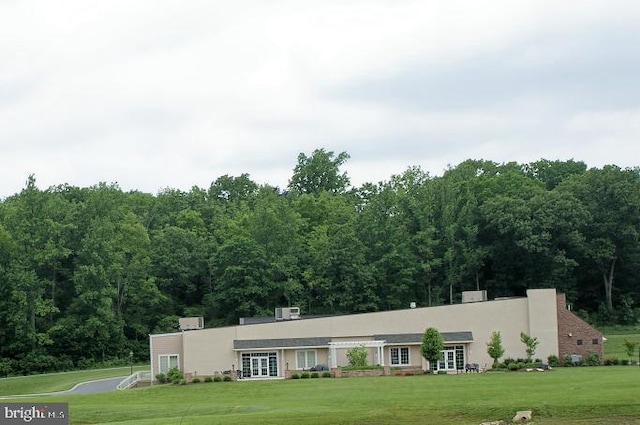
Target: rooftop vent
<point x="191" y="323"/>
<point x="474" y="296"/>
<point x="287" y="313"/>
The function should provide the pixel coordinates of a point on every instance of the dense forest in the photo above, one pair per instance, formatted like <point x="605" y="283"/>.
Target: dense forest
<point x="87" y="273"/>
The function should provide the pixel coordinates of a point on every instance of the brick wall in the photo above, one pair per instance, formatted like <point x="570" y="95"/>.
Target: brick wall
<point x="575" y="336"/>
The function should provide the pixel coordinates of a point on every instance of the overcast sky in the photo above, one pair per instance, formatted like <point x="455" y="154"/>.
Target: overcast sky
<point x="156" y="94"/>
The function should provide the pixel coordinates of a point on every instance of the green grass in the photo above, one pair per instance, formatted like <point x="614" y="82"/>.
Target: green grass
<point x="614" y="345"/>
<point x="51" y="382"/>
<point x="582" y="395"/>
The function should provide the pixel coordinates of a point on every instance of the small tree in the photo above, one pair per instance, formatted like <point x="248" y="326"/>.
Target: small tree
<point x="494" y="347"/>
<point x="630" y="346"/>
<point x="531" y="343"/>
<point x="432" y="345"/>
<point x="357" y="356"/>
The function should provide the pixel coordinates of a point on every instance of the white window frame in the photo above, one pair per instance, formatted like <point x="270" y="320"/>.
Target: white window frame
<point x="399" y="359"/>
<point x="168" y="360"/>
<point x="306" y="359"/>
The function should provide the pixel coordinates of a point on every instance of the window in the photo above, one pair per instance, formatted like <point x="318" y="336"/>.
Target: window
<point x="306" y="359"/>
<point x="595" y="341"/>
<point x="579" y="342"/>
<point x="167" y="362"/>
<point x="399" y="356"/>
<point x="259" y="365"/>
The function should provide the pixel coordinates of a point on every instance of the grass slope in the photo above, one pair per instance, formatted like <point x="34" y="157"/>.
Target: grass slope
<point x="52" y="382"/>
<point x="563" y="396"/>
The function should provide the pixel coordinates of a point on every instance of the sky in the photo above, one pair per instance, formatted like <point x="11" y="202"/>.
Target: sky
<point x="157" y="94"/>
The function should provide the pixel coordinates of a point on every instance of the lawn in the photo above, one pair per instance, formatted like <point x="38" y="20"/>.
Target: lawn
<point x="51" y="382"/>
<point x="614" y="345"/>
<point x="581" y="395"/>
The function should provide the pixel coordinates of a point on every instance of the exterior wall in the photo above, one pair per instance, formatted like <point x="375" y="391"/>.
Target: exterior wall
<point x="211" y="350"/>
<point x="543" y="322"/>
<point x="322" y="357"/>
<point x="165" y="344"/>
<point x="572" y="329"/>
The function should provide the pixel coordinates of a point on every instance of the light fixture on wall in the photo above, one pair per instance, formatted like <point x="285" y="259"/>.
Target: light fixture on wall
<point x="570" y="335"/>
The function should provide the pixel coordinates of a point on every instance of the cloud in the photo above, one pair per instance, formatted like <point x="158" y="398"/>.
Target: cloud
<point x="156" y="94"/>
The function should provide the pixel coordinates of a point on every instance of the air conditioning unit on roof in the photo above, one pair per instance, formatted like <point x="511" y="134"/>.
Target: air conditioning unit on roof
<point x="191" y="323"/>
<point x="287" y="313"/>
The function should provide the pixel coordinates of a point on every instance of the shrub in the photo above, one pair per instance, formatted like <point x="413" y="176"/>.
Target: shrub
<point x="208" y="379"/>
<point x="593" y="360"/>
<point x="315" y="375"/>
<point x="553" y="360"/>
<point x="174" y="376"/>
<point x="304" y="375"/>
<point x="624" y="362"/>
<point x="508" y="361"/>
<point x="326" y="374"/>
<point x="217" y="378"/>
<point x="521" y="365"/>
<point x="195" y="380"/>
<point x="161" y="378"/>
<point x="513" y="366"/>
<point x="295" y="376"/>
<point x="357" y="356"/>
<point x="227" y="378"/>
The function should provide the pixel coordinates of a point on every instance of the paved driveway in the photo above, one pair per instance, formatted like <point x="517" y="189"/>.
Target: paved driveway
<point x="97" y="386"/>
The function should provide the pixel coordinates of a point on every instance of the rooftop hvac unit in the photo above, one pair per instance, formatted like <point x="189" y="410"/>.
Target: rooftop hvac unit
<point x="287" y="313"/>
<point x="474" y="296"/>
<point x="191" y="323"/>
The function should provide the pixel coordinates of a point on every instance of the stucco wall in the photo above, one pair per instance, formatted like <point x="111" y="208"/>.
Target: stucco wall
<point x="165" y="344"/>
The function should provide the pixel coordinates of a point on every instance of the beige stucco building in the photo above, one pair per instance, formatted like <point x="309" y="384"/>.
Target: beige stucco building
<point x="277" y="348"/>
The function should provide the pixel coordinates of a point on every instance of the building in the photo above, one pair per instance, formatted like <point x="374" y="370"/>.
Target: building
<point x="277" y="347"/>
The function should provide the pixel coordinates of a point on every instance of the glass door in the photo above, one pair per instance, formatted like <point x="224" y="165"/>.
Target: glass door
<point x="259" y="367"/>
<point x="447" y="360"/>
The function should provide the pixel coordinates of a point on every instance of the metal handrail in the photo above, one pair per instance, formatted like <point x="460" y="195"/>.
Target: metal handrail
<point x="131" y="380"/>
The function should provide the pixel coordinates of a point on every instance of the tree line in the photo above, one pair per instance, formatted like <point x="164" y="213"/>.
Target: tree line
<point x="87" y="273"/>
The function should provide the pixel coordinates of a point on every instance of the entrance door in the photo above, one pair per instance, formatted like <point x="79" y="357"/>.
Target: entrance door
<point x="447" y="360"/>
<point x="259" y="366"/>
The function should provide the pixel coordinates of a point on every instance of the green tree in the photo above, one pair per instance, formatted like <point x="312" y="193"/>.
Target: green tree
<point x="630" y="347"/>
<point x="432" y="346"/>
<point x="612" y="236"/>
<point x="319" y="172"/>
<point x="357" y="356"/>
<point x="494" y="347"/>
<point x="531" y="343"/>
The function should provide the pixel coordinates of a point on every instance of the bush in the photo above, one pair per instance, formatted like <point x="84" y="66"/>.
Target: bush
<point x="326" y="374"/>
<point x="513" y="366"/>
<point x="208" y="379"/>
<point x="227" y="378"/>
<point x="624" y="362"/>
<point x="295" y="376"/>
<point x="593" y="360"/>
<point x="304" y="375"/>
<point x="508" y="361"/>
<point x="175" y="376"/>
<point x="315" y="375"/>
<point x="553" y="360"/>
<point x="161" y="378"/>
<point x="357" y="356"/>
<point x="195" y="380"/>
<point x="217" y="378"/>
